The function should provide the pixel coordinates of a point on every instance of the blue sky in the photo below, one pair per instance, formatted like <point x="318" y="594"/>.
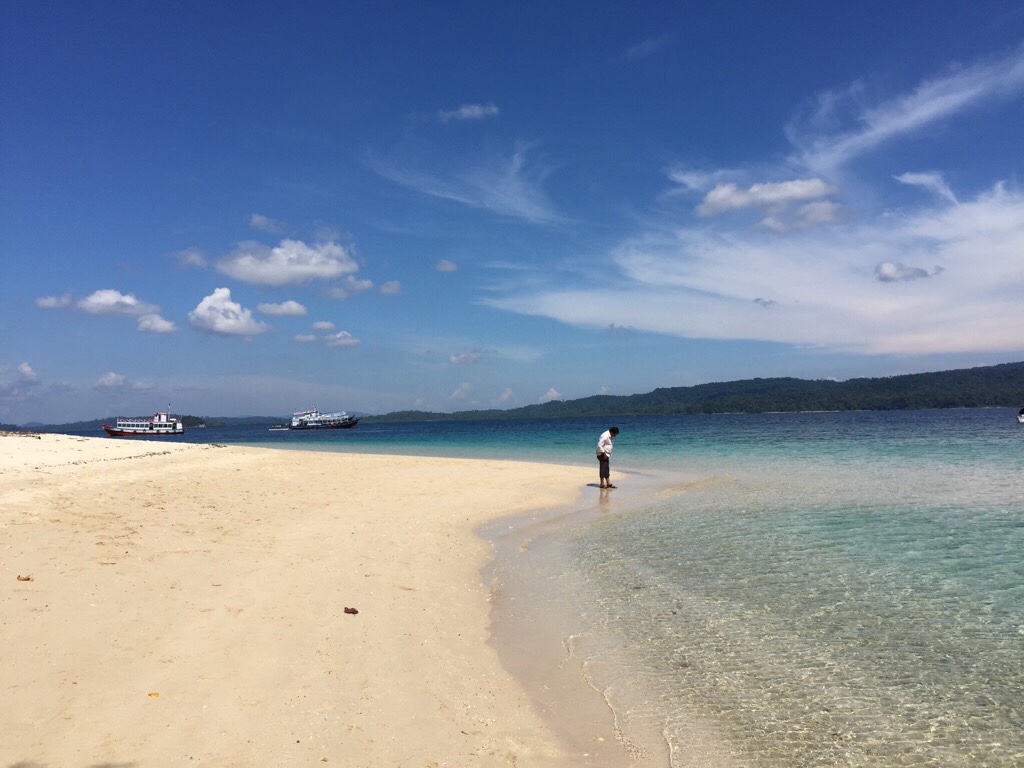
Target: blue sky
<point x="247" y="208"/>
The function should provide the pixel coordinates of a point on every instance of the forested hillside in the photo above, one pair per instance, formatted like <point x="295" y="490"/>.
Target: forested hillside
<point x="989" y="386"/>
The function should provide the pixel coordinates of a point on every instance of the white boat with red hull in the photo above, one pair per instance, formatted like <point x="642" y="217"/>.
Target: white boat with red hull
<point x="162" y="424"/>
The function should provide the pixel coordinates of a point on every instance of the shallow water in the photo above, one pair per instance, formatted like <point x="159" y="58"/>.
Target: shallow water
<point x="842" y="590"/>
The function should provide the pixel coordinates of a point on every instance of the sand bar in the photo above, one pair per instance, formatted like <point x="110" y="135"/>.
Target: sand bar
<point x="169" y="603"/>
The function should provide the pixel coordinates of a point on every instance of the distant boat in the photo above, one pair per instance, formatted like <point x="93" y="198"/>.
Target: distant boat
<point x="278" y="428"/>
<point x="161" y="425"/>
<point x="313" y="419"/>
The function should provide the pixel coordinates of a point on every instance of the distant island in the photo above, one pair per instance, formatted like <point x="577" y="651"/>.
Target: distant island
<point x="993" y="386"/>
<point x="990" y="386"/>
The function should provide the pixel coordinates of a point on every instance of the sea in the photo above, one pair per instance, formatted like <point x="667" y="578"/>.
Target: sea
<point x="789" y="590"/>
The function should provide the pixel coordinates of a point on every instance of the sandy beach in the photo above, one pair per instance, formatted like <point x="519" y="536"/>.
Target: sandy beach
<point x="171" y="603"/>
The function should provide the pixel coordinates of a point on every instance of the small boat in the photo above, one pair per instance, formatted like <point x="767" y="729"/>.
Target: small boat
<point x="313" y="419"/>
<point x="162" y="424"/>
<point x="1020" y="415"/>
<point x="278" y="428"/>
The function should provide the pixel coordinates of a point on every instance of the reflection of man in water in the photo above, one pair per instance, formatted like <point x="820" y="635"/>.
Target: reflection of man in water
<point x="604" y="455"/>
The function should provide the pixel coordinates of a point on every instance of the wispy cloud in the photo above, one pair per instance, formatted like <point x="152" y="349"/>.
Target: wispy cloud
<point x="508" y="185"/>
<point x="960" y="89"/>
<point x="647" y="47"/>
<point x="469" y="112"/>
<point x="931" y="181"/>
<point x="934" y="280"/>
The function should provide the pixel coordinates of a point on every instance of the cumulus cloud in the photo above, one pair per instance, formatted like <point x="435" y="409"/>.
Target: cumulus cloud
<point x="551" y="394"/>
<point x="729" y="197"/>
<point x="504" y="396"/>
<point x="391" y="288"/>
<point x="111" y="380"/>
<point x="155" y="324"/>
<point x="190" y="257"/>
<point x="469" y="112"/>
<point x="54" y="302"/>
<point x="265" y="224"/>
<point x="218" y="314"/>
<point x="461" y="392"/>
<point x="351" y="285"/>
<point x="341" y="339"/>
<point x="18" y="382"/>
<point x="305" y="338"/>
<point x="284" y="309"/>
<point x="111" y="302"/>
<point x="463" y="358"/>
<point x="446" y="266"/>
<point x="293" y="262"/>
<point x="323" y="325"/>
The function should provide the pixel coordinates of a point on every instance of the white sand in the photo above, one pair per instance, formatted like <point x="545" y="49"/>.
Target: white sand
<point x="186" y="606"/>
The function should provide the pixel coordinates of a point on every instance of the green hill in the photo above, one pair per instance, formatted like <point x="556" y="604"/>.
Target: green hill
<point x="983" y="387"/>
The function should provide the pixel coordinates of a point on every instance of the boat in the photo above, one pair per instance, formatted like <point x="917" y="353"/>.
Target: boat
<point x="278" y="428"/>
<point x="162" y="424"/>
<point x="313" y="419"/>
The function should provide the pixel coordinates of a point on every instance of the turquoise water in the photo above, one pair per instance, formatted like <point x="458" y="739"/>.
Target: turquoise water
<point x="836" y="590"/>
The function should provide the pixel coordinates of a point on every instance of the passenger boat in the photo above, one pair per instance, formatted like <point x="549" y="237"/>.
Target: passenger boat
<point x="313" y="419"/>
<point x="161" y="425"/>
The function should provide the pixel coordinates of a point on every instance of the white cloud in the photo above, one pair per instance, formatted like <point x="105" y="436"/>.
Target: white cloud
<point x="154" y="323"/>
<point x="504" y="397"/>
<point x="551" y="394"/>
<point x="111" y="302"/>
<point x="292" y="262"/>
<point x="265" y="224"/>
<point x="284" y="309"/>
<point x="647" y="47"/>
<point x="111" y="380"/>
<point x="341" y="339"/>
<point x="828" y="287"/>
<point x="506" y="185"/>
<point x="446" y="266"/>
<point x="217" y="313"/>
<point x="892" y="272"/>
<point x="54" y="302"/>
<point x="931" y="181"/>
<point x="463" y="358"/>
<point x="305" y="338"/>
<point x="191" y="257"/>
<point x="17" y="383"/>
<point x="461" y="392"/>
<point x="469" y="112"/>
<point x="728" y="197"/>
<point x="943" y="97"/>
<point x="391" y="288"/>
<point x="323" y="325"/>
<point x="351" y="285"/>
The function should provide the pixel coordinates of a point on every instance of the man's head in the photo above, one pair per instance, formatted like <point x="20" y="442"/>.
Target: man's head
<point x="613" y="431"/>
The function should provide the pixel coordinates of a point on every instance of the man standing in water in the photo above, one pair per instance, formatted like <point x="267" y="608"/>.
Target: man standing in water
<point x="604" y="454"/>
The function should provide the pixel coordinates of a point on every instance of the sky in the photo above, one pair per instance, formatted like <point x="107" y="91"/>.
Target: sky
<point x="234" y="209"/>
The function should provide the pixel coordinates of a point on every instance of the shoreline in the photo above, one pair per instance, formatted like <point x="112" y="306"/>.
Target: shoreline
<point x="530" y="565"/>
<point x="187" y="603"/>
